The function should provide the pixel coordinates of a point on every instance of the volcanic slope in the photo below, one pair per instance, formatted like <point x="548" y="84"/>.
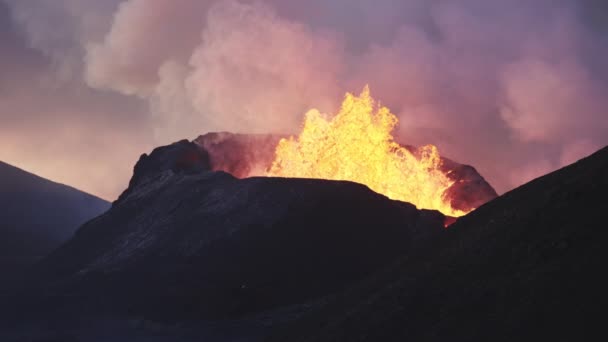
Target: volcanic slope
<point x="37" y="215"/>
<point x="527" y="266"/>
<point x="186" y="243"/>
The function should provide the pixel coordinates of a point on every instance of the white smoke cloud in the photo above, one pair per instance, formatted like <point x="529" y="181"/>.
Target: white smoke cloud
<point x="60" y="29"/>
<point x="144" y="34"/>
<point x="550" y="102"/>
<point x="255" y="71"/>
<point x="233" y="67"/>
<point x="504" y="85"/>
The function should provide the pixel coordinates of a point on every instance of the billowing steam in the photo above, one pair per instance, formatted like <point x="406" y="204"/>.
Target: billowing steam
<point x="510" y="87"/>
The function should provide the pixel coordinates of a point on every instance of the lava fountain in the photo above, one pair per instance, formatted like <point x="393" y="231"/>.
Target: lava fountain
<point x="357" y="145"/>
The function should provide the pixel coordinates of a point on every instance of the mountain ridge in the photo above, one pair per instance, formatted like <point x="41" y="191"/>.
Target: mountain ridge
<point x="38" y="215"/>
<point x="18" y="169"/>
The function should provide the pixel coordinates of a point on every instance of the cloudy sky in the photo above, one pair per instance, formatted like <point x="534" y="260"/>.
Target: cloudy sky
<point x="516" y="88"/>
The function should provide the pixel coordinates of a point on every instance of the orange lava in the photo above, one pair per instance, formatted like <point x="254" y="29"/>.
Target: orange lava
<point x="356" y="144"/>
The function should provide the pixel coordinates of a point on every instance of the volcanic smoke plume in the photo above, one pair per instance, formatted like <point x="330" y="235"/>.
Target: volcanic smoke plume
<point x="515" y="88"/>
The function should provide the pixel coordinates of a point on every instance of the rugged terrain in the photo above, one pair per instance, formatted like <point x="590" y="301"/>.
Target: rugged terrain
<point x="184" y="243"/>
<point x="526" y="266"/>
<point x="189" y="253"/>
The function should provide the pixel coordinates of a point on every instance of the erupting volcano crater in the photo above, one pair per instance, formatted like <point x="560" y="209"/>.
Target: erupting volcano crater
<point x="357" y="145"/>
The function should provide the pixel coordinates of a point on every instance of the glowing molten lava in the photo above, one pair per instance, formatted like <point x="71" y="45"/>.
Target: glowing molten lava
<point x="357" y="145"/>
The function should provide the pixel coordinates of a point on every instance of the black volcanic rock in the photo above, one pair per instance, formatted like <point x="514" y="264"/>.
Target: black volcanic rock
<point x="243" y="155"/>
<point x="183" y="243"/>
<point x="182" y="156"/>
<point x="529" y="265"/>
<point x="36" y="215"/>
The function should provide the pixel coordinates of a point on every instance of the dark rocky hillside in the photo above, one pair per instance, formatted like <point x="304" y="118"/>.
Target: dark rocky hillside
<point x="529" y="265"/>
<point x="190" y="252"/>
<point x="183" y="243"/>
<point x="36" y="215"/>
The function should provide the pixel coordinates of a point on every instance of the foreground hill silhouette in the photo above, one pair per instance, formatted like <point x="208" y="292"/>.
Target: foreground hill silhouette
<point x="527" y="266"/>
<point x="184" y="243"/>
<point x="188" y="254"/>
<point x="36" y="215"/>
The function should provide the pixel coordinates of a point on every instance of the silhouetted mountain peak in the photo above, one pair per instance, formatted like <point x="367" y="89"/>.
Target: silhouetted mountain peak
<point x="37" y="215"/>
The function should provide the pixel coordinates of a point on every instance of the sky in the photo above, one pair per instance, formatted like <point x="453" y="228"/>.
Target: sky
<point x="516" y="88"/>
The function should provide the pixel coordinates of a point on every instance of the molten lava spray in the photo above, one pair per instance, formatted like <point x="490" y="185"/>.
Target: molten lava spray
<point x="357" y="145"/>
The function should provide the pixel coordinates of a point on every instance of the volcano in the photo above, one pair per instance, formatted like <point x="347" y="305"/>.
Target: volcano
<point x="193" y="250"/>
<point x="188" y="239"/>
<point x="221" y="246"/>
<point x="356" y="144"/>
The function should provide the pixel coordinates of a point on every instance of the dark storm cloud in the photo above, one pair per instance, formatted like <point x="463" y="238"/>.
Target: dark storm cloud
<point x="515" y="88"/>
